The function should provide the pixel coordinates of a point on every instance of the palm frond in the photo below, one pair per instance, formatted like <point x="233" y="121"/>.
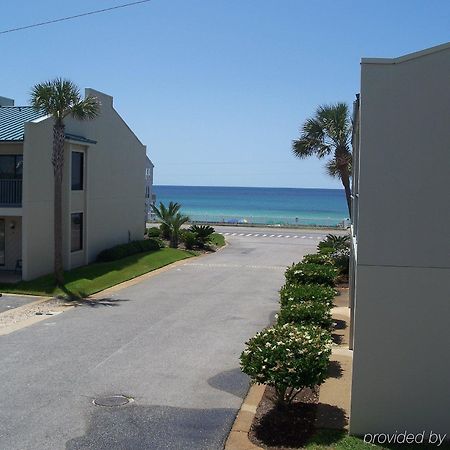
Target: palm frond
<point x="87" y="109"/>
<point x="61" y="97"/>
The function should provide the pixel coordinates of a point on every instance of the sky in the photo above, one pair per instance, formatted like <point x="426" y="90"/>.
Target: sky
<point x="216" y="89"/>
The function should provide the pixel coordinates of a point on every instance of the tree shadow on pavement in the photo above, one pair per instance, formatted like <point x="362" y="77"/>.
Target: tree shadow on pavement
<point x="154" y="427"/>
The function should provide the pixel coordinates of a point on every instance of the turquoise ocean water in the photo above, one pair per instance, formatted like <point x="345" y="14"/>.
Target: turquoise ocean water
<point x="272" y="206"/>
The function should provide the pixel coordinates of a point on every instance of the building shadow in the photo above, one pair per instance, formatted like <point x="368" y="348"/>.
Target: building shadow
<point x="233" y="381"/>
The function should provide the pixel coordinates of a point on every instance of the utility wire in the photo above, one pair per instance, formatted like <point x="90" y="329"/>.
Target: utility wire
<point x="62" y="19"/>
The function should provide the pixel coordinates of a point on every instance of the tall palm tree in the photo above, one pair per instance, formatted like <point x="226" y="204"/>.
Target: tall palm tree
<point x="329" y="133"/>
<point x="60" y="98"/>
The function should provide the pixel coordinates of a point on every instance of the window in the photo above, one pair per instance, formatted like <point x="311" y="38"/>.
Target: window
<point x="77" y="171"/>
<point x="2" y="242"/>
<point x="11" y="166"/>
<point x="76" y="232"/>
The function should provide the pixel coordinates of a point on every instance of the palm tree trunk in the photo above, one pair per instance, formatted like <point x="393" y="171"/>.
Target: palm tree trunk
<point x="345" y="178"/>
<point x="342" y="157"/>
<point x="58" y="164"/>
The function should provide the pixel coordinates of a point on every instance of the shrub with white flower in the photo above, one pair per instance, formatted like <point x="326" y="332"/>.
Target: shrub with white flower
<point x="297" y="293"/>
<point x="316" y="258"/>
<point x="308" y="273"/>
<point x="306" y="313"/>
<point x="289" y="358"/>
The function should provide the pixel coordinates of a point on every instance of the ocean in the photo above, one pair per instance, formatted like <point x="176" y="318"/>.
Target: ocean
<point x="269" y="206"/>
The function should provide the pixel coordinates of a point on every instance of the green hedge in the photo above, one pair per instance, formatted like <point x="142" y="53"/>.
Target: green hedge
<point x="305" y="273"/>
<point x="131" y="248"/>
<point x="306" y="313"/>
<point x="316" y="258"/>
<point x="297" y="293"/>
<point x="153" y="232"/>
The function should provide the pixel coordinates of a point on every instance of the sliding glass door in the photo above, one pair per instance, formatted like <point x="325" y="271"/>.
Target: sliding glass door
<point x="2" y="242"/>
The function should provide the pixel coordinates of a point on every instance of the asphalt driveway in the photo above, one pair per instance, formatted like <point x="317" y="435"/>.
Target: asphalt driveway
<point x="8" y="302"/>
<point x="171" y="343"/>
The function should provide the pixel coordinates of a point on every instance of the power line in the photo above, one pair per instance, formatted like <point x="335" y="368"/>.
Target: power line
<point x="62" y="19"/>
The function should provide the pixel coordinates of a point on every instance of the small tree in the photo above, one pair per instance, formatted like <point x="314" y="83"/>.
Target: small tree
<point x="165" y="215"/>
<point x="175" y="223"/>
<point x="289" y="358"/>
<point x="203" y="233"/>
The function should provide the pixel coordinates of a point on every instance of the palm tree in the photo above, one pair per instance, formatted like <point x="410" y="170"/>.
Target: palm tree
<point x="329" y="133"/>
<point x="175" y="224"/>
<point x="164" y="214"/>
<point x="60" y="98"/>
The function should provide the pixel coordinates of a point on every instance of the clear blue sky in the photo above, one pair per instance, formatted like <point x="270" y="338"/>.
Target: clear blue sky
<point x="217" y="88"/>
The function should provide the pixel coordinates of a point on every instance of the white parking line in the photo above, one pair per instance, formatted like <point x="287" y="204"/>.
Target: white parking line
<point x="303" y="237"/>
<point x="256" y="235"/>
<point x="287" y="236"/>
<point x="241" y="234"/>
<point x="233" y="234"/>
<point x="250" y="234"/>
<point x="264" y="235"/>
<point x="295" y="237"/>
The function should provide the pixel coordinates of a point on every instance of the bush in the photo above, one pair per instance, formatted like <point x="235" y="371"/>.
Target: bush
<point x="305" y="273"/>
<point x="317" y="258"/>
<point x="308" y="312"/>
<point x="154" y="232"/>
<point x="341" y="261"/>
<point x="297" y="293"/>
<point x="189" y="239"/>
<point x="337" y="248"/>
<point x="288" y="358"/>
<point x="203" y="233"/>
<point x="336" y="243"/>
<point x="131" y="248"/>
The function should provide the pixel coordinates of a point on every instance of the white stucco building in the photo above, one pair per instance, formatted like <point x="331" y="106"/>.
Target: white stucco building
<point x="104" y="186"/>
<point x="401" y="241"/>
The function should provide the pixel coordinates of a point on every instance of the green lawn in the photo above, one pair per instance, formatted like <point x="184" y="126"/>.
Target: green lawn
<point x="95" y="277"/>
<point x="340" y="440"/>
<point x="217" y="239"/>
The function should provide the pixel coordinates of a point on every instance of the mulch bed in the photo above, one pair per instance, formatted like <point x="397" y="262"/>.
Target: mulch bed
<point x="279" y="428"/>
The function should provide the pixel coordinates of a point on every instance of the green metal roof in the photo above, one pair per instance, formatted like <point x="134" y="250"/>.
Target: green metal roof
<point x="13" y="119"/>
<point x="82" y="139"/>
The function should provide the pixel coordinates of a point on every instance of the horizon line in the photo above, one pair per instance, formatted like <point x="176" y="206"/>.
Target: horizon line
<point x="248" y="187"/>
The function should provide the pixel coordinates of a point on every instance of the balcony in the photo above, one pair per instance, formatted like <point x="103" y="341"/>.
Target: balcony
<point x="10" y="193"/>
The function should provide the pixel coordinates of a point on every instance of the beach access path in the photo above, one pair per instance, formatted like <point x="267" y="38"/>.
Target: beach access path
<point x="170" y="342"/>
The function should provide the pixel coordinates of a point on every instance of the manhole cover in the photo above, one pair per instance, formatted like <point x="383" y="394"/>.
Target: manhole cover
<point x="112" y="400"/>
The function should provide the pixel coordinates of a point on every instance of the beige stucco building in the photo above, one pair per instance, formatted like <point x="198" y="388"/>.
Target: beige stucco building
<point x="401" y="245"/>
<point x="104" y="187"/>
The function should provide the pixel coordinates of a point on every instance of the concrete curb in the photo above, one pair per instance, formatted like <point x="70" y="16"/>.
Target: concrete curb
<point x="238" y="437"/>
<point x="15" y="326"/>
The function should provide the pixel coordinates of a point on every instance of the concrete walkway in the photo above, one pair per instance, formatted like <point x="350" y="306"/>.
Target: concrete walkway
<point x="334" y="396"/>
<point x="171" y="343"/>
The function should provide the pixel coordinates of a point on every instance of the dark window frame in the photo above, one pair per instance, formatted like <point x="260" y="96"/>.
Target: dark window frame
<point x="3" y="228"/>
<point x="77" y="181"/>
<point x="79" y="238"/>
<point x="18" y="167"/>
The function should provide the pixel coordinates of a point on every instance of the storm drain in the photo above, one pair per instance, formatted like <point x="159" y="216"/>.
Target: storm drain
<point x="112" y="400"/>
